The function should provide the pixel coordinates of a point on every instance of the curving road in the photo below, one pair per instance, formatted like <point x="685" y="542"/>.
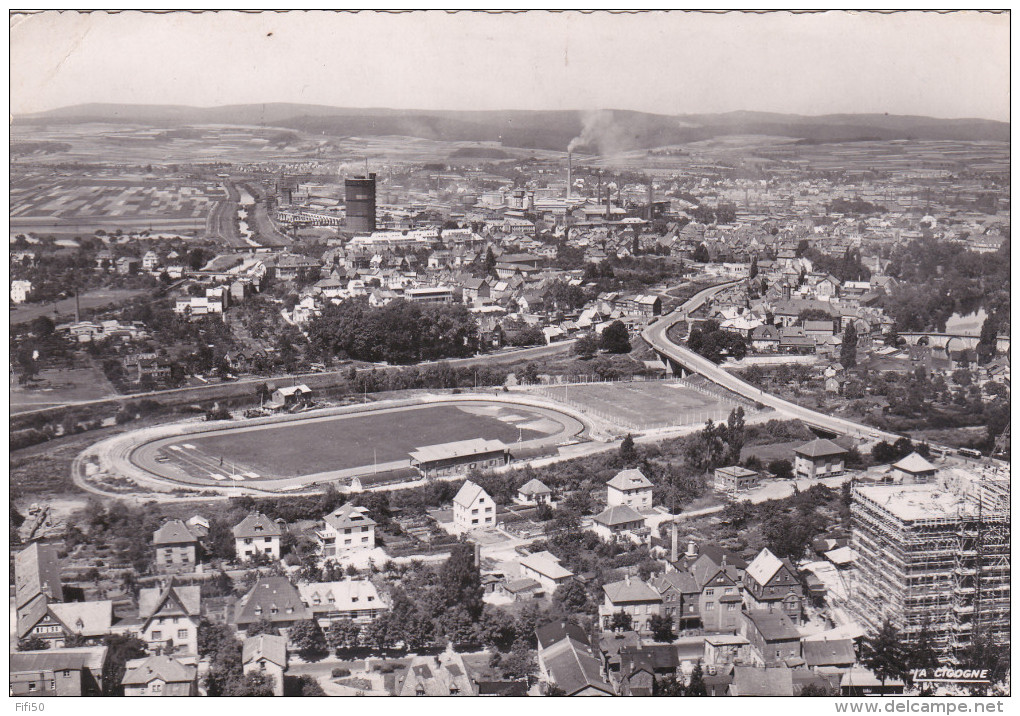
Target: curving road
<point x="656" y="336"/>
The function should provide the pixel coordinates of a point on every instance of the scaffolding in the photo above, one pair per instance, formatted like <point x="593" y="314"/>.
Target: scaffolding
<point x="935" y="554"/>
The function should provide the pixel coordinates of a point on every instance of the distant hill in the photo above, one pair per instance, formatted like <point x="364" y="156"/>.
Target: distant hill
<point x="603" y="132"/>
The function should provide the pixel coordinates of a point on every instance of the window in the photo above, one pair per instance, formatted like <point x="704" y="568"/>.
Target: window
<point x="474" y="522"/>
<point x="731" y="607"/>
<point x="248" y="540"/>
<point x="274" y="610"/>
<point x="347" y="541"/>
<point x="709" y="605"/>
<point x="474" y="512"/>
<point x="67" y="673"/>
<point x="354" y="599"/>
<point x="157" y="635"/>
<point x="267" y="540"/>
<point x="157" y="688"/>
<point x="364" y="539"/>
<point x="488" y="509"/>
<point x="31" y="686"/>
<point x="182" y="633"/>
<point x="53" y="684"/>
<point x="709" y="592"/>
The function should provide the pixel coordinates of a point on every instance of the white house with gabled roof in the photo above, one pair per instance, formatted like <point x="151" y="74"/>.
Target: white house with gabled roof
<point x="631" y="488"/>
<point x="473" y="509"/>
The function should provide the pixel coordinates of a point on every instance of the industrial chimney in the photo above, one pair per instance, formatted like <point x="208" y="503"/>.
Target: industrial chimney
<point x="570" y="172"/>
<point x="673" y="556"/>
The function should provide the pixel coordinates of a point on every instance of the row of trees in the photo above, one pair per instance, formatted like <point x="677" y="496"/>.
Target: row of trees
<point x="399" y="332"/>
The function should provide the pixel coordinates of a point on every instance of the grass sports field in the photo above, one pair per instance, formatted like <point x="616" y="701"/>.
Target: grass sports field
<point x="642" y="406"/>
<point x="336" y="443"/>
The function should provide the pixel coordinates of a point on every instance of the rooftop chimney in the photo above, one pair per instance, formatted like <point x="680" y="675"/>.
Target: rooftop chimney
<point x="692" y="549"/>
<point x="673" y="552"/>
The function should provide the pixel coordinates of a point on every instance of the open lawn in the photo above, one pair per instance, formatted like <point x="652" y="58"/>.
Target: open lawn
<point x="56" y="387"/>
<point x="642" y="405"/>
<point x="334" y="443"/>
<point x="100" y="298"/>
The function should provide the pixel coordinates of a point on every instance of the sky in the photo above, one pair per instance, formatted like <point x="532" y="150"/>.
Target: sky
<point x="939" y="65"/>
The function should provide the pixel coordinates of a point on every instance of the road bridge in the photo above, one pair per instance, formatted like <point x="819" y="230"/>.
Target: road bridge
<point x="681" y="361"/>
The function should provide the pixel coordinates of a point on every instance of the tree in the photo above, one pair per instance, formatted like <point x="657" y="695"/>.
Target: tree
<point x="696" y="687"/>
<point x="922" y="653"/>
<point x="304" y="685"/>
<point x="615" y="338"/>
<point x="753" y="271"/>
<point x="262" y="626"/>
<point x="701" y="254"/>
<point x="308" y="640"/>
<point x="848" y="350"/>
<point x="885" y="653"/>
<point x="622" y="621"/>
<point x="519" y="663"/>
<point x="586" y="346"/>
<point x="490" y="263"/>
<point x="460" y="581"/>
<point x="628" y="453"/>
<point x="661" y="627"/>
<point x="781" y="469"/>
<point x="343" y="634"/>
<point x="120" y="650"/>
<point x="254" y="683"/>
<point x="33" y="643"/>
<point x="667" y="686"/>
<point x="572" y="596"/>
<point x="815" y="690"/>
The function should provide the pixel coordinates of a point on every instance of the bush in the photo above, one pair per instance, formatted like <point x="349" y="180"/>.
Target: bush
<point x="781" y="468"/>
<point x="340" y="672"/>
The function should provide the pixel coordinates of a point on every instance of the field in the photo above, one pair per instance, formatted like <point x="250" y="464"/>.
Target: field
<point x="55" y="387"/>
<point x="99" y="298"/>
<point x="642" y="405"/>
<point x="82" y="203"/>
<point x="335" y="444"/>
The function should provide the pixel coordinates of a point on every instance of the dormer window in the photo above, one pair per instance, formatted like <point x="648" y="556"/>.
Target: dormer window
<point x="274" y="610"/>
<point x="258" y="528"/>
<point x="258" y="610"/>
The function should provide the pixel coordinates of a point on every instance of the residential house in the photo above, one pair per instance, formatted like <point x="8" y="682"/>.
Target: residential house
<point x="266" y="654"/>
<point x="127" y="265"/>
<point x="819" y="330"/>
<point x="473" y="509"/>
<point x="170" y="617"/>
<point x="633" y="597"/>
<point x="545" y="568"/>
<point x="734" y="479"/>
<point x="631" y="488"/>
<point x="354" y="599"/>
<point x="765" y="339"/>
<point x="566" y="661"/>
<point x="257" y="534"/>
<point x="620" y="522"/>
<point x="534" y="492"/>
<point x="819" y="458"/>
<point x="828" y="653"/>
<point x="290" y="396"/>
<point x="441" y="675"/>
<point x="859" y="681"/>
<point x="774" y="638"/>
<point x="914" y="469"/>
<point x="719" y="574"/>
<point x="56" y="622"/>
<point x="274" y="599"/>
<point x="73" y="671"/>
<point x="727" y="649"/>
<point x="762" y="681"/>
<point x="20" y="290"/>
<point x="346" y="529"/>
<point x="176" y="548"/>
<point x="680" y="596"/>
<point x="150" y="261"/>
<point x="641" y="667"/>
<point x="37" y="583"/>
<point x="160" y="675"/>
<point x="771" y="584"/>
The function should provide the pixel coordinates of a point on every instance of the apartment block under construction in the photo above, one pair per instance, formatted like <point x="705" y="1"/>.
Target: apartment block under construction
<point x="935" y="551"/>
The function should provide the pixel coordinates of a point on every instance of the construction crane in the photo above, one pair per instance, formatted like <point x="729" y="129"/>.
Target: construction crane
<point x="1002" y="443"/>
